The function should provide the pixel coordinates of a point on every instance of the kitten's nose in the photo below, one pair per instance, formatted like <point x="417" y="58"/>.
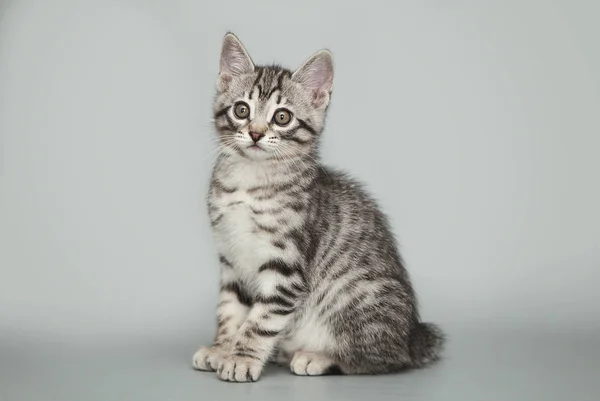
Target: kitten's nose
<point x="256" y="136"/>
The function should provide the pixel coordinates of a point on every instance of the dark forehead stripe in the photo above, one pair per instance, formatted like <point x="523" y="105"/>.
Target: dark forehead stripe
<point x="278" y="87"/>
<point x="269" y="79"/>
<point x="259" y="73"/>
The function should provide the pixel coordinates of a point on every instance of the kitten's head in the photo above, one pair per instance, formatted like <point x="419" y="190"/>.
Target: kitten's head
<point x="269" y="112"/>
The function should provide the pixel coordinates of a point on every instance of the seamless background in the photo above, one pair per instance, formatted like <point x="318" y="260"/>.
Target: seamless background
<point x="475" y="124"/>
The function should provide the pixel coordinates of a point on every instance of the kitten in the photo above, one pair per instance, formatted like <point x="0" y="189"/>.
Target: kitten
<point x="310" y="272"/>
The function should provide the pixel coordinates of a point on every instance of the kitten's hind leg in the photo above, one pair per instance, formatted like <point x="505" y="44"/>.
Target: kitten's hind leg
<point x="307" y="363"/>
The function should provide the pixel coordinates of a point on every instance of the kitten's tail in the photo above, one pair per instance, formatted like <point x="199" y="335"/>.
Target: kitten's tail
<point x="427" y="343"/>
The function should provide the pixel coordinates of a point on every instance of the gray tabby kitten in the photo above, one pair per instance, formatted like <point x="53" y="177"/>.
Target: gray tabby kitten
<point x="310" y="272"/>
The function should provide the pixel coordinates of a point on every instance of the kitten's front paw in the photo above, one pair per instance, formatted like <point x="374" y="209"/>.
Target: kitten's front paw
<point x="239" y="369"/>
<point x="208" y="358"/>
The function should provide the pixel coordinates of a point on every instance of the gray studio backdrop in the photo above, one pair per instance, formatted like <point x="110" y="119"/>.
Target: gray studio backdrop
<point x="476" y="125"/>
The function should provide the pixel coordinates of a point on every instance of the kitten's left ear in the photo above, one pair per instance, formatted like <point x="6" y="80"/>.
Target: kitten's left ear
<point x="316" y="75"/>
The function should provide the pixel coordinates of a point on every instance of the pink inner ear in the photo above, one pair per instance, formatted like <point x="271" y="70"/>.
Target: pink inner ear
<point x="234" y="59"/>
<point x="235" y="63"/>
<point x="320" y="96"/>
<point x="316" y="75"/>
<point x="226" y="78"/>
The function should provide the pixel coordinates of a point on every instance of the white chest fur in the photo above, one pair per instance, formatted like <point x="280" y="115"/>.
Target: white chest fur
<point x="240" y="233"/>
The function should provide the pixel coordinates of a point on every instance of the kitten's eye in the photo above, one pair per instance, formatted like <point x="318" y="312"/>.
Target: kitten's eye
<point x="241" y="110"/>
<point x="282" y="117"/>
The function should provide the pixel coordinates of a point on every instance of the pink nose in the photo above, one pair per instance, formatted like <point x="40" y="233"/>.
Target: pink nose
<point x="256" y="136"/>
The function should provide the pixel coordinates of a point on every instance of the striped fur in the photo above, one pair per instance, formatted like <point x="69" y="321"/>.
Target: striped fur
<point x="310" y="272"/>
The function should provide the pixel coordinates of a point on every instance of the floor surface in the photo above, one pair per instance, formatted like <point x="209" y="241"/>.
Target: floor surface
<point x="479" y="365"/>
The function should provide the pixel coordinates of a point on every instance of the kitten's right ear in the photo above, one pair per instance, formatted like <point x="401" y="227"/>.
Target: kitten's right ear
<point x="234" y="61"/>
<point x="316" y="75"/>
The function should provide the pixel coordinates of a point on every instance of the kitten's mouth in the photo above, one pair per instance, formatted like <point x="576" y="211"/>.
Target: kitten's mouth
<point x="255" y="148"/>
